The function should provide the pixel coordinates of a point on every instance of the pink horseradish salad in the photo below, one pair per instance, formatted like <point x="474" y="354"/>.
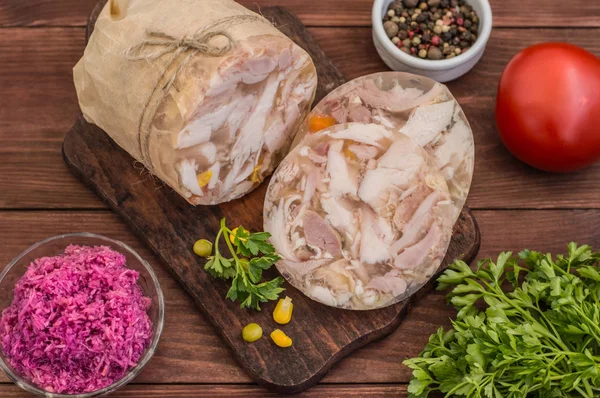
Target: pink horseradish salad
<point x="78" y="321"/>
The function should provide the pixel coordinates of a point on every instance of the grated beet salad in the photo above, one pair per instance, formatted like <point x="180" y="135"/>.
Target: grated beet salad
<point x="77" y="322"/>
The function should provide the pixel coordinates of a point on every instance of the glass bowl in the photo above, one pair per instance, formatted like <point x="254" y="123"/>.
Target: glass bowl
<point x="55" y="246"/>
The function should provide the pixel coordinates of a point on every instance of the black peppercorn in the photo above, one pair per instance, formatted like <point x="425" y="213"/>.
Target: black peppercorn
<point x="397" y="6"/>
<point x="426" y="38"/>
<point x="446" y="36"/>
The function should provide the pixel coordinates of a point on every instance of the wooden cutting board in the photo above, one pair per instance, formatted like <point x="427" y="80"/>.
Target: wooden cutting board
<point x="169" y="226"/>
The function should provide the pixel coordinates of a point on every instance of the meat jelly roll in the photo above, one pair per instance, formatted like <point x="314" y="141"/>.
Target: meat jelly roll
<point x="420" y="108"/>
<point x="360" y="216"/>
<point x="205" y="93"/>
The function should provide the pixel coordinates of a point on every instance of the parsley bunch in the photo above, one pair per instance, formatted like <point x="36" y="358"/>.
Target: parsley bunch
<point x="246" y="285"/>
<point x="526" y="327"/>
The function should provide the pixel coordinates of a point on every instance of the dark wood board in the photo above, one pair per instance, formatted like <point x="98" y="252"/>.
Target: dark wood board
<point x="169" y="226"/>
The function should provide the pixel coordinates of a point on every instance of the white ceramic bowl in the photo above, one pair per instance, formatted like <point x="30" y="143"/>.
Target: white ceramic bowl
<point x="443" y="70"/>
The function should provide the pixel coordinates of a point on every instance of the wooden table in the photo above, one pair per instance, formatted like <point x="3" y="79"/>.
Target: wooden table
<point x="516" y="206"/>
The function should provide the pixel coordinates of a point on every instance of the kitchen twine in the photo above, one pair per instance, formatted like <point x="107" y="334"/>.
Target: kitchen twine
<point x="158" y="44"/>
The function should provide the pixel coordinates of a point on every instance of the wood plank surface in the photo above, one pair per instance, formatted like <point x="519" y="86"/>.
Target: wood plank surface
<point x="191" y="352"/>
<point x="38" y="105"/>
<point x="246" y="391"/>
<point x="506" y="13"/>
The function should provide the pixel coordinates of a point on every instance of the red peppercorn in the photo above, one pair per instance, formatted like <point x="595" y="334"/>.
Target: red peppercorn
<point x="435" y="40"/>
<point x="413" y="50"/>
<point x="411" y="34"/>
<point x="460" y="22"/>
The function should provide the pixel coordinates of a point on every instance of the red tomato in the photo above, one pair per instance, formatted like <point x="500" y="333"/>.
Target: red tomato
<point x="548" y="107"/>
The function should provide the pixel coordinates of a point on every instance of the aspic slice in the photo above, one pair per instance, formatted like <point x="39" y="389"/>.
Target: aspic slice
<point x="360" y="215"/>
<point x="419" y="107"/>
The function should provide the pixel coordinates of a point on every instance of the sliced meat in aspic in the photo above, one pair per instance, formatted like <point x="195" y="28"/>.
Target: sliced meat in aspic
<point x="368" y="226"/>
<point x="320" y="234"/>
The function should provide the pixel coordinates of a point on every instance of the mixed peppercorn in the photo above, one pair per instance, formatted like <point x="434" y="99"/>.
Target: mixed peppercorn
<point x="432" y="29"/>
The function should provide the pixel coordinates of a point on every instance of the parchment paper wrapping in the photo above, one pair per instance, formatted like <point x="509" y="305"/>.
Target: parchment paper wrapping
<point x="145" y="100"/>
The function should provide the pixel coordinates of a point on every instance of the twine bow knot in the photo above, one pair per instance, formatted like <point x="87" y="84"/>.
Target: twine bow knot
<point x="165" y="44"/>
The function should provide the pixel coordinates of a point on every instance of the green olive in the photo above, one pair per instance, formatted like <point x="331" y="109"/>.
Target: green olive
<point x="252" y="332"/>
<point x="203" y="248"/>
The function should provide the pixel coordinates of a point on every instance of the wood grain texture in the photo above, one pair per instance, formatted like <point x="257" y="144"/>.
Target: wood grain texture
<point x="191" y="352"/>
<point x="507" y="13"/>
<point x="217" y="391"/>
<point x="169" y="226"/>
<point x="38" y="104"/>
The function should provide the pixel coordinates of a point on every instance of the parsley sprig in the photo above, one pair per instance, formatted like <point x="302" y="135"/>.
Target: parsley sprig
<point x="527" y="326"/>
<point x="246" y="275"/>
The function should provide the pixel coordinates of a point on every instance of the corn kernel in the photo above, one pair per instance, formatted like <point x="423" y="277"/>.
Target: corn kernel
<point x="349" y="154"/>
<point x="232" y="236"/>
<point x="318" y="122"/>
<point x="204" y="178"/>
<point x="280" y="338"/>
<point x="283" y="311"/>
<point x="256" y="174"/>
